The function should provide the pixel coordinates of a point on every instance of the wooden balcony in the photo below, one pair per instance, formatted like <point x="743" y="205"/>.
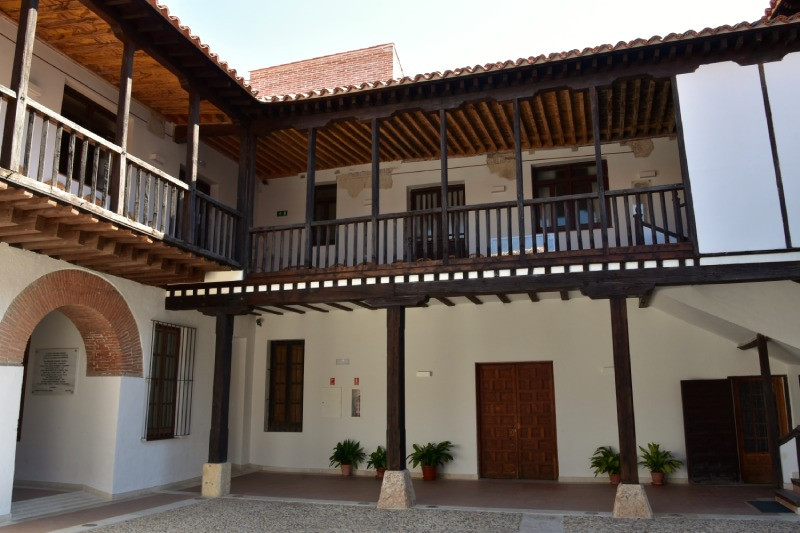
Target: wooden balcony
<point x="641" y="224"/>
<point x="66" y="200"/>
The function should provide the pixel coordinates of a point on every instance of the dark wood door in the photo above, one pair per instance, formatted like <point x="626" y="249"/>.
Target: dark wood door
<point x="516" y="421"/>
<point x="425" y="228"/>
<point x="710" y="431"/>
<point x="754" y="458"/>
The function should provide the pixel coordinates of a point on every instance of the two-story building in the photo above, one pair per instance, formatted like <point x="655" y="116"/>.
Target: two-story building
<point x="530" y="259"/>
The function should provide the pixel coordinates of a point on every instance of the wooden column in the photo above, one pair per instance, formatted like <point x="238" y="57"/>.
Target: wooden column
<point x="598" y="159"/>
<point x="245" y="195"/>
<point x="520" y="184"/>
<point x="686" y="179"/>
<point x="20" y="74"/>
<point x="443" y="153"/>
<point x="311" y="164"/>
<point x="117" y="185"/>
<point x="396" y="388"/>
<point x="376" y="185"/>
<point x="622" y="378"/>
<point x="192" y="149"/>
<point x="218" y="437"/>
<point x="771" y="411"/>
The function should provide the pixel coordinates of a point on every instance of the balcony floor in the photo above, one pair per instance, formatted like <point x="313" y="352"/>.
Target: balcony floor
<point x="42" y="224"/>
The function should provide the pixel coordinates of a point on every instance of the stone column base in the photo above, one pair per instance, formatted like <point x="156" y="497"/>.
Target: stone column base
<point x="631" y="502"/>
<point x="397" y="491"/>
<point x="216" y="480"/>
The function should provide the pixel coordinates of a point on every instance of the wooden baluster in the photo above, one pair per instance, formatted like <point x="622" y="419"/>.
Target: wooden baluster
<point x="57" y="155"/>
<point x="578" y="224"/>
<point x="385" y="225"/>
<point x="488" y="228"/>
<point x="95" y="173"/>
<point x="590" y="215"/>
<point x="676" y="207"/>
<point x="653" y="234"/>
<point x="365" y="243"/>
<point x="70" y="162"/>
<point x="664" y="220"/>
<point x="627" y="206"/>
<point x="615" y="214"/>
<point x="554" y="222"/>
<point x="42" y="148"/>
<point x="82" y="167"/>
<point x="28" y="146"/>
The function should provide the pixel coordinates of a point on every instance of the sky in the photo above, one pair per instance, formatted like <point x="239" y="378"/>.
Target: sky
<point x="436" y="35"/>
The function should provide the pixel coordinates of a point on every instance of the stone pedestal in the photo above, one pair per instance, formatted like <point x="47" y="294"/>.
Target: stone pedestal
<point x="216" y="480"/>
<point x="631" y="502"/>
<point x="397" y="491"/>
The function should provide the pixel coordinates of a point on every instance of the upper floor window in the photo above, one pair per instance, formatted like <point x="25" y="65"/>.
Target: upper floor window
<point x="568" y="180"/>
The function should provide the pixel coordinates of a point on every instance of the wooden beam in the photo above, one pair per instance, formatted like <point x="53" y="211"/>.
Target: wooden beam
<point x="376" y="186"/>
<point x="445" y="301"/>
<point x="519" y="178"/>
<point x="192" y="150"/>
<point x="339" y="306"/>
<point x="749" y="344"/>
<point x="564" y="295"/>
<point x="395" y="388"/>
<point x="362" y="304"/>
<point x="291" y="309"/>
<point x="771" y="410"/>
<point x="503" y="298"/>
<point x="474" y="299"/>
<point x="11" y="149"/>
<point x="533" y="296"/>
<point x="311" y="165"/>
<point x="220" y="400"/>
<point x="245" y="196"/>
<point x="445" y="229"/>
<point x="624" y="391"/>
<point x="598" y="159"/>
<point x="644" y="299"/>
<point x="314" y="308"/>
<point x="117" y="185"/>
<point x="269" y="311"/>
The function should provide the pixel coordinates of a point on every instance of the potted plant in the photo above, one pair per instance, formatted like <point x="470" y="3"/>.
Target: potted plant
<point x="659" y="462"/>
<point x="430" y="456"/>
<point x="377" y="460"/>
<point x="348" y="454"/>
<point x="606" y="461"/>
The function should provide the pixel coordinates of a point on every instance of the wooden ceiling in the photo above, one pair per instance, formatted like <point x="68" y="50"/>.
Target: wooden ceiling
<point x="81" y="34"/>
<point x="629" y="109"/>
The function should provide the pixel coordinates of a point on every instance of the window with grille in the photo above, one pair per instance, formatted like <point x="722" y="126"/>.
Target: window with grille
<point x="170" y="381"/>
<point x="285" y="402"/>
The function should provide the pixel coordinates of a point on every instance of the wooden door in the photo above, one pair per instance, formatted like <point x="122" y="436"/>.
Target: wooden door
<point x="751" y="422"/>
<point x="516" y="421"/>
<point x="710" y="431"/>
<point x="426" y="228"/>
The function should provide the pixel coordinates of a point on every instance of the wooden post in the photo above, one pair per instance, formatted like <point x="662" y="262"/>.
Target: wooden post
<point x="218" y="437"/>
<point x="117" y="185"/>
<point x="396" y="388"/>
<point x="520" y="184"/>
<point x="311" y="164"/>
<point x="245" y="196"/>
<point x="20" y="74"/>
<point x="771" y="411"/>
<point x="192" y="148"/>
<point x="629" y="472"/>
<point x="445" y="230"/>
<point x="686" y="179"/>
<point x="376" y="183"/>
<point x="598" y="159"/>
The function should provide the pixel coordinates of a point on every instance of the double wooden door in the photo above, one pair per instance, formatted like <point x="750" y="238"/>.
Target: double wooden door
<point x="725" y="428"/>
<point x="517" y="421"/>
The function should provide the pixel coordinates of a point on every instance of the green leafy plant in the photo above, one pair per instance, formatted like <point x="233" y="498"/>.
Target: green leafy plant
<point x="377" y="459"/>
<point x="348" y="452"/>
<point x="605" y="461"/>
<point x="431" y="454"/>
<point x="657" y="460"/>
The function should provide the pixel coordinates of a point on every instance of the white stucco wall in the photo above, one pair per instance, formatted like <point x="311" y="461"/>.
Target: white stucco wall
<point x="355" y="200"/>
<point x="449" y="341"/>
<point x="729" y="159"/>
<point x="10" y="386"/>
<point x="114" y="407"/>
<point x="783" y="79"/>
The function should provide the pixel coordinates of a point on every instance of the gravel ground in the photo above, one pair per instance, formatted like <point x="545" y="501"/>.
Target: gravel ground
<point x="238" y="515"/>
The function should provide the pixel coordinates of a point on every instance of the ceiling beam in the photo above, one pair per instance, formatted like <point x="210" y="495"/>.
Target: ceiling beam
<point x="474" y="299"/>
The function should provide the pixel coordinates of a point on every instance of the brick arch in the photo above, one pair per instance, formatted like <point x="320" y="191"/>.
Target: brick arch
<point x="96" y="308"/>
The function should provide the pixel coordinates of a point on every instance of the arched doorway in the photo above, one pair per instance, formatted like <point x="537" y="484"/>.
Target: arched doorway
<point x="71" y="431"/>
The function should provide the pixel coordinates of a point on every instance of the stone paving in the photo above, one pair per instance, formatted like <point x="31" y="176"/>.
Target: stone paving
<point x="257" y="515"/>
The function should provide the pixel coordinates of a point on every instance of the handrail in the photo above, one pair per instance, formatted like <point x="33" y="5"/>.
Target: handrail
<point x="793" y="434"/>
<point x="219" y="205"/>
<point x="8" y="92"/>
<point x="74" y="127"/>
<point x="650" y="225"/>
<point x="160" y="173"/>
<point x="644" y="190"/>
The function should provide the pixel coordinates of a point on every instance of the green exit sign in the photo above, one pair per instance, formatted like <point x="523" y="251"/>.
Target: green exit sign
<point x="282" y="213"/>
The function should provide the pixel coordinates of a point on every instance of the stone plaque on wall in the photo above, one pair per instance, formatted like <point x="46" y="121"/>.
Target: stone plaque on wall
<point x="54" y="371"/>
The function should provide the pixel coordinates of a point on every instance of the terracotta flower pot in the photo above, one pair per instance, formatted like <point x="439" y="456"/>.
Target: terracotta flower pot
<point x="347" y="470"/>
<point x="614" y="478"/>
<point x="428" y="473"/>
<point x="379" y="472"/>
<point x="658" y="478"/>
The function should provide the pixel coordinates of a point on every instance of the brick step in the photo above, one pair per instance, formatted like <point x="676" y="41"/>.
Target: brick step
<point x="789" y="499"/>
<point x="796" y="485"/>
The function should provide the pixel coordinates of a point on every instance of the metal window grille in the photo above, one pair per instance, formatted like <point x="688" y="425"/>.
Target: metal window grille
<point x="169" y="383"/>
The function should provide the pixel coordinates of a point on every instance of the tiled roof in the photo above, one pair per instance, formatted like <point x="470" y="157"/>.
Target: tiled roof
<point x="187" y="32"/>
<point x="538" y="60"/>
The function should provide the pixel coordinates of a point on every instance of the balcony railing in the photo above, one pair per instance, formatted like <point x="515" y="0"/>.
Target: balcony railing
<point x="639" y="221"/>
<point x="62" y="158"/>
